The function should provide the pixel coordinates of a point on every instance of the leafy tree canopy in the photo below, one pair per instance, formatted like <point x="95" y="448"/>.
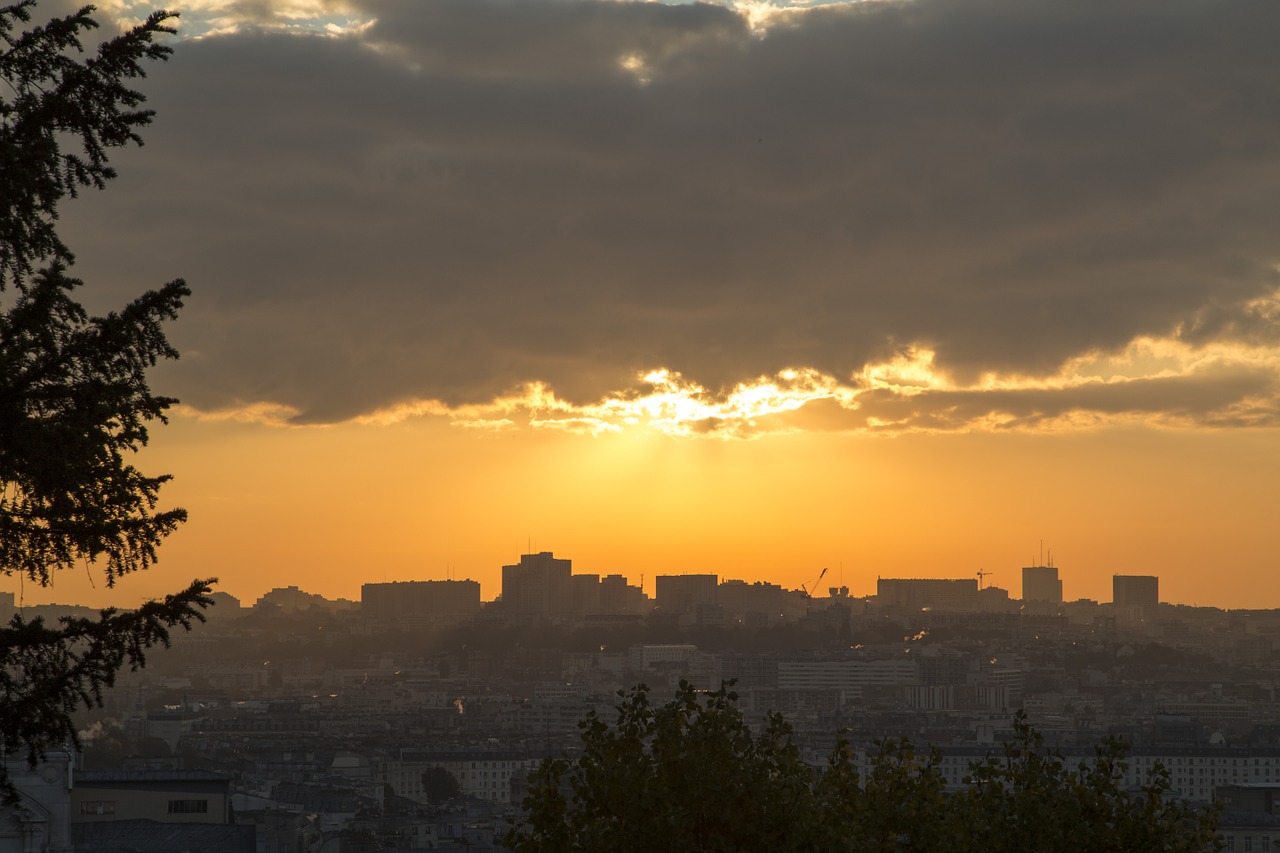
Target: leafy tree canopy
<point x="692" y="775"/>
<point x="439" y="784"/>
<point x="74" y="399"/>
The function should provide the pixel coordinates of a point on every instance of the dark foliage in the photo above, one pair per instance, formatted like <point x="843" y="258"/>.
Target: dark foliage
<point x="74" y="404"/>
<point x="51" y="92"/>
<point x="74" y="399"/>
<point x="691" y="775"/>
<point x="439" y="784"/>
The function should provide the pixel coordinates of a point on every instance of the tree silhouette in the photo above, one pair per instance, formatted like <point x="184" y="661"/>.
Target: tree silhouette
<point x="439" y="784"/>
<point x="74" y="400"/>
<point x="692" y="775"/>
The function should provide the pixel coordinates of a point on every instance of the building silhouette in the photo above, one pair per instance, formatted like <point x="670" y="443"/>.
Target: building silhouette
<point x="1041" y="590"/>
<point x="914" y="594"/>
<point x="680" y="593"/>
<point x="539" y="585"/>
<point x="429" y="602"/>
<point x="1135" y="597"/>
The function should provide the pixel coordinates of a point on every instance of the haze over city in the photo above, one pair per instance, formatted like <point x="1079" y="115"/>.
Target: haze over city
<point x="750" y="289"/>
<point x="640" y="425"/>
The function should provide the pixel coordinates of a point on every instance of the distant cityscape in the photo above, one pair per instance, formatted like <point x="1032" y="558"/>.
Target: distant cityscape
<point x="412" y="718"/>
<point x="542" y="586"/>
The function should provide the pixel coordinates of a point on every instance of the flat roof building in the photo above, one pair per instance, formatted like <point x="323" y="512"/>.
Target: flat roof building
<point x="1041" y="590"/>
<point x="539" y="585"/>
<point x="1135" y="597"/>
<point x="679" y="593"/>
<point x="959" y="594"/>
<point x="413" y="600"/>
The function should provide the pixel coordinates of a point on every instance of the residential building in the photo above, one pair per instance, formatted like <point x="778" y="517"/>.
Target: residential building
<point x="681" y="593"/>
<point x="1135" y="597"/>
<point x="916" y="594"/>
<point x="410" y="604"/>
<point x="539" y="585"/>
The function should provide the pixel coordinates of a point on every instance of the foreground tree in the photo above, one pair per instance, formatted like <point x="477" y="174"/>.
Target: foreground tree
<point x="438" y="785"/>
<point x="691" y="775"/>
<point x="688" y="775"/>
<point x="74" y="399"/>
<point x="1031" y="799"/>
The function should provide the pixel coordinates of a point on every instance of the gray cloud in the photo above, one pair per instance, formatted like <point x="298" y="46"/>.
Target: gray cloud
<point x="477" y="193"/>
<point x="1220" y="397"/>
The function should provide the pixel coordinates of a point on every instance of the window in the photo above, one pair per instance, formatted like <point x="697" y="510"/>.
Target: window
<point x="98" y="807"/>
<point x="188" y="807"/>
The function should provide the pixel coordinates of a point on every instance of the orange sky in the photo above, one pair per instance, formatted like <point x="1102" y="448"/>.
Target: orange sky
<point x="329" y="508"/>
<point x="905" y="287"/>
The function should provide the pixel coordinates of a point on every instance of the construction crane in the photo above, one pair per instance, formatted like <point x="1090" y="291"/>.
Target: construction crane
<point x="982" y="573"/>
<point x="813" y="587"/>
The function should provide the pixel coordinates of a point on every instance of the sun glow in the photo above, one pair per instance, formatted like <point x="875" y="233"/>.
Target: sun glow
<point x="910" y="372"/>
<point x="339" y="18"/>
<point x="1158" y="381"/>
<point x="209" y="18"/>
<point x="636" y="65"/>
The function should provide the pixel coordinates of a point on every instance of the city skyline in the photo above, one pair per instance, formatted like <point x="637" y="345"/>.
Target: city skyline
<point x="496" y="424"/>
<point x="538" y="563"/>
<point x="747" y="288"/>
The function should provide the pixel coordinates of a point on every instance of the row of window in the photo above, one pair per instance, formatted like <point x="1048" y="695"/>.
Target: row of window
<point x="108" y="807"/>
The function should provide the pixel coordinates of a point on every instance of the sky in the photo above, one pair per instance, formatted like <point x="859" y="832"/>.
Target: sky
<point x="900" y="289"/>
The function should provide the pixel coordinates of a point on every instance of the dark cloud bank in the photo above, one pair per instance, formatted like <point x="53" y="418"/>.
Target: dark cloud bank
<point x="476" y="193"/>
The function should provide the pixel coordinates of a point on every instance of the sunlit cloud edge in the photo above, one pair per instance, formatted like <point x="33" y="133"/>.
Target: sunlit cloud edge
<point x="664" y="402"/>
<point x="202" y="19"/>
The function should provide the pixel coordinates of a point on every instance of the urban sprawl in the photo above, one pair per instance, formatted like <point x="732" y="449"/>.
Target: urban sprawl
<point x="412" y="718"/>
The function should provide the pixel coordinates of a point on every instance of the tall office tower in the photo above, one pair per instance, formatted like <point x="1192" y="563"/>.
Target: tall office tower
<point x="1041" y="590"/>
<point x="613" y="593"/>
<point x="617" y="596"/>
<point x="539" y="585"/>
<point x="1135" y="596"/>
<point x="584" y="592"/>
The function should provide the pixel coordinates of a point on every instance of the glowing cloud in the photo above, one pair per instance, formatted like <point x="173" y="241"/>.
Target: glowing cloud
<point x="207" y="18"/>
<point x="1162" y="382"/>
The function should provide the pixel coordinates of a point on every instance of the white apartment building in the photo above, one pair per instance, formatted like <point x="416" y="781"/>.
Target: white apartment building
<point x="847" y="674"/>
<point x="484" y="775"/>
<point x="1193" y="773"/>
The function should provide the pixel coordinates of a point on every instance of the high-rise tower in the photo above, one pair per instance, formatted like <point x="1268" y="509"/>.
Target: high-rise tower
<point x="1041" y="590"/>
